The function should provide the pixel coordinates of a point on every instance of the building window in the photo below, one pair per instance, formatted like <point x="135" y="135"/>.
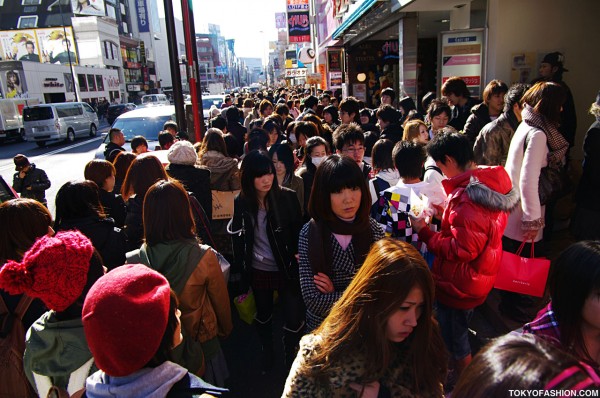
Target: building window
<point x="99" y="83"/>
<point x="106" y="46"/>
<point x="27" y="22"/>
<point x="110" y="11"/>
<point x="125" y="27"/>
<point x="31" y="2"/>
<point x="82" y="83"/>
<point x="91" y="82"/>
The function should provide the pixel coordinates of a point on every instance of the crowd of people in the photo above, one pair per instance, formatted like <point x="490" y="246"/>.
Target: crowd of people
<point x="377" y="233"/>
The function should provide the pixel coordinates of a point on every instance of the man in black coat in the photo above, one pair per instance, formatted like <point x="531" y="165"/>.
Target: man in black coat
<point x="30" y="181"/>
<point x="117" y="140"/>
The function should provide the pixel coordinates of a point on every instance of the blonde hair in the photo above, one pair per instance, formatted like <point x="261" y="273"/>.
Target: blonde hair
<point x="411" y="130"/>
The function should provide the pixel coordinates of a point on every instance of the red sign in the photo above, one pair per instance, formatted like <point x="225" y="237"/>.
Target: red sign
<point x="469" y="80"/>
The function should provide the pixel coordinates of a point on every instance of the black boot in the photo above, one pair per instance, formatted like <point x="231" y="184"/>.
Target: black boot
<point x="265" y="335"/>
<point x="291" y="343"/>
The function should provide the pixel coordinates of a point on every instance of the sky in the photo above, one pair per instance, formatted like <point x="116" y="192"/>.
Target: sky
<point x="250" y="22"/>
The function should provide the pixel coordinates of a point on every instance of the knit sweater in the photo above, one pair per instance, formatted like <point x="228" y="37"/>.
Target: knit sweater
<point x="343" y="268"/>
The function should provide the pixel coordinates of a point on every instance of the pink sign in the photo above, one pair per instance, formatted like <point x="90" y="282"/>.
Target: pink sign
<point x="462" y="60"/>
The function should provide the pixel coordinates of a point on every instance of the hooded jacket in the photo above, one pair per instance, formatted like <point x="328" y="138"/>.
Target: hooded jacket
<point x="194" y="274"/>
<point x="468" y="248"/>
<point x="224" y="171"/>
<point x="57" y="354"/>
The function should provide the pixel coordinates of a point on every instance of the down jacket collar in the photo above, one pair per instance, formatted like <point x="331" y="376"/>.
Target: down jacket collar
<point x="489" y="187"/>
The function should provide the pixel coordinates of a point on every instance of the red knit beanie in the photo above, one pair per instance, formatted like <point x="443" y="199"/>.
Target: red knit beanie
<point x="54" y="270"/>
<point x="124" y="317"/>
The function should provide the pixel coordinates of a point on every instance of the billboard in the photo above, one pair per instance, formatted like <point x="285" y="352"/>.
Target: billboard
<point x="55" y="47"/>
<point x="298" y="21"/>
<point x="141" y="10"/>
<point x="19" y="45"/>
<point x="12" y="80"/>
<point x="88" y="7"/>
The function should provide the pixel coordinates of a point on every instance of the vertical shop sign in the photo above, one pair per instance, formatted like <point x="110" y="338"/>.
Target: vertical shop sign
<point x="298" y="21"/>
<point x="142" y="14"/>
<point x="462" y="55"/>
<point x="334" y="60"/>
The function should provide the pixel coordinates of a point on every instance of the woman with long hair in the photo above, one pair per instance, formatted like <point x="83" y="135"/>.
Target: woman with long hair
<point x="103" y="173"/>
<point x="143" y="172"/>
<point x="78" y="207"/>
<point x="380" y="338"/>
<point x="335" y="242"/>
<point x="537" y="143"/>
<point x="283" y="159"/>
<point x="571" y="318"/>
<point x="122" y="162"/>
<point x="192" y="269"/>
<point x="265" y="226"/>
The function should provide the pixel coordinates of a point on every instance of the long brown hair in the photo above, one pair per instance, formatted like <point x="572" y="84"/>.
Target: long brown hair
<point x="357" y="322"/>
<point x="546" y="98"/>
<point x="143" y="172"/>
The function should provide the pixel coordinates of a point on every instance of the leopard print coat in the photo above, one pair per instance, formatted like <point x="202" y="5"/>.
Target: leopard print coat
<point x="396" y="377"/>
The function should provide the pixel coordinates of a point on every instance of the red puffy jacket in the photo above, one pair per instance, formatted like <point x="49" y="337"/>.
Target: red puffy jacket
<point x="468" y="247"/>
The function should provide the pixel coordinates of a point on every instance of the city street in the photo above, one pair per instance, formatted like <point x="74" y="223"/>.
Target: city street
<point x="62" y="162"/>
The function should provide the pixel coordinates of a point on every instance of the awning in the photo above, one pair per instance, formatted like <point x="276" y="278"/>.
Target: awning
<point x="355" y="16"/>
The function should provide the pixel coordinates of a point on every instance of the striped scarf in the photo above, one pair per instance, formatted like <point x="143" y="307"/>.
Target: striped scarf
<point x="557" y="144"/>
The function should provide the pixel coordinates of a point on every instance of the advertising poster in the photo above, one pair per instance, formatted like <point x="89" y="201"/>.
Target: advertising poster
<point x="19" y="45"/>
<point x="334" y="61"/>
<point x="88" y="7"/>
<point x="462" y="55"/>
<point x="359" y="91"/>
<point x="12" y="80"/>
<point x="298" y="27"/>
<point x="335" y="80"/>
<point x="55" y="48"/>
<point x="523" y="67"/>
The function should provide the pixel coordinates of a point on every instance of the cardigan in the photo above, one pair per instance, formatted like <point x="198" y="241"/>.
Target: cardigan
<point x="344" y="268"/>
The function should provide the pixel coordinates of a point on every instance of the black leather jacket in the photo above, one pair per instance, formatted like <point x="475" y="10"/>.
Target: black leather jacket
<point x="284" y="221"/>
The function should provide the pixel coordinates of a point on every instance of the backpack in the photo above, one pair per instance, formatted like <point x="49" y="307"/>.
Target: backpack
<point x="12" y="346"/>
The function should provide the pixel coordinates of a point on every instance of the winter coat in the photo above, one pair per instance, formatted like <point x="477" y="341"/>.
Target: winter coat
<point x="34" y="178"/>
<point x="56" y="353"/>
<point x="307" y="173"/>
<point x="524" y="167"/>
<point x="114" y="206"/>
<point x="110" y="241"/>
<point x="194" y="274"/>
<point x="296" y="184"/>
<point x="111" y="151"/>
<point x="393" y="132"/>
<point x="588" y="191"/>
<point x="468" y="248"/>
<point x="134" y="222"/>
<point x="166" y="380"/>
<point x="397" y="378"/>
<point x="284" y="220"/>
<point x="480" y="116"/>
<point x="224" y="171"/>
<point x="492" y="142"/>
<point x="196" y="180"/>
<point x="460" y="114"/>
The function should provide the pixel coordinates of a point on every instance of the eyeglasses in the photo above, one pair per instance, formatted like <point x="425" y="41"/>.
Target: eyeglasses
<point x="354" y="150"/>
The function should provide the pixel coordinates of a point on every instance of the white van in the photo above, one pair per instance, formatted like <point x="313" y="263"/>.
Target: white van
<point x="155" y="99"/>
<point x="61" y="121"/>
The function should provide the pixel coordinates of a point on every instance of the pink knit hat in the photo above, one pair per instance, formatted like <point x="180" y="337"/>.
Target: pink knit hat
<point x="125" y="316"/>
<point x="54" y="270"/>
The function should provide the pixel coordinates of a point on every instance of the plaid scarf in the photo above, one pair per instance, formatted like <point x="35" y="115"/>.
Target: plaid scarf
<point x="544" y="324"/>
<point x="556" y="142"/>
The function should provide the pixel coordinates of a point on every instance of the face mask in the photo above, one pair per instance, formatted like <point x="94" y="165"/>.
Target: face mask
<point x="317" y="160"/>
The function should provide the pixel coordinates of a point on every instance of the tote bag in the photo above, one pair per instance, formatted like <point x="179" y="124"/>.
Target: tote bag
<point x="521" y="274"/>
<point x="222" y="204"/>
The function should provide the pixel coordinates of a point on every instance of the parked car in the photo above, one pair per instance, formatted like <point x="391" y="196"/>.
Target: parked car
<point x="60" y="121"/>
<point x="147" y="122"/>
<point x="155" y="99"/>
<point x="115" y="111"/>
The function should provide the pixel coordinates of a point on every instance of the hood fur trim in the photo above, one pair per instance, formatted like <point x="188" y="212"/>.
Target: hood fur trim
<point x="493" y="200"/>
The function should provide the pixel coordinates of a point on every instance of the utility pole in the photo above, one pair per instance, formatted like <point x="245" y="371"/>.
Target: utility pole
<point x="174" y="64"/>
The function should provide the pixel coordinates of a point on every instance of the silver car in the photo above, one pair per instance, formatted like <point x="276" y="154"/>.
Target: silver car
<point x="60" y="121"/>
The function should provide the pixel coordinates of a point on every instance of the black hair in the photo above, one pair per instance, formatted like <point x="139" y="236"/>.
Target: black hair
<point x="347" y="134"/>
<point x="258" y="140"/>
<point x="333" y="111"/>
<point x="455" y="145"/>
<point x="77" y="199"/>
<point x="170" y="124"/>
<point x="256" y="164"/>
<point x="164" y="138"/>
<point x="409" y="157"/>
<point x="381" y="155"/>
<point x="389" y="92"/>
<point x="218" y="122"/>
<point x="514" y="94"/>
<point x="310" y="101"/>
<point x="286" y="156"/>
<point x="438" y="106"/>
<point x="137" y="141"/>
<point x="112" y="132"/>
<point x="388" y="114"/>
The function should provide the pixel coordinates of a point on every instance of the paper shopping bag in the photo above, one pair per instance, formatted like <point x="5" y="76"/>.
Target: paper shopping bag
<point x="521" y="274"/>
<point x="222" y="204"/>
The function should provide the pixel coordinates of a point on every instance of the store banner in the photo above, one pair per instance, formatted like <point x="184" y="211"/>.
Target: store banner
<point x="141" y="10"/>
<point x="88" y="7"/>
<point x="19" y="45"/>
<point x="55" y="48"/>
<point x="280" y="20"/>
<point x="297" y="5"/>
<point x="323" y="72"/>
<point x="12" y="80"/>
<point x="291" y="73"/>
<point x="298" y="27"/>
